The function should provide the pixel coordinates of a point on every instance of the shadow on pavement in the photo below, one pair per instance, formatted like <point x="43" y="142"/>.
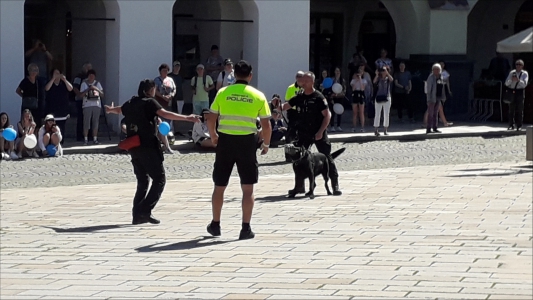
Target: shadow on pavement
<point x="502" y="172"/>
<point x="275" y="163"/>
<point x="282" y="198"/>
<point x="524" y="167"/>
<point x="87" y="228"/>
<point x="196" y="243"/>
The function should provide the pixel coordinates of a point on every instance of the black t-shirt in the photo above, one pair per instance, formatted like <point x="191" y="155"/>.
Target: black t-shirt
<point x="57" y="99"/>
<point x="140" y="117"/>
<point x="310" y="109"/>
<point x="440" y="87"/>
<point x="29" y="89"/>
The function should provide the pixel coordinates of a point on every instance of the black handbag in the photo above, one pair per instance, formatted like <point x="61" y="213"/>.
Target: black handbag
<point x="383" y="98"/>
<point x="30" y="103"/>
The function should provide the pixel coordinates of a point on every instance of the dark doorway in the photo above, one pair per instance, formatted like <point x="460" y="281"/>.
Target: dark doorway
<point x="326" y="46"/>
<point x="377" y="31"/>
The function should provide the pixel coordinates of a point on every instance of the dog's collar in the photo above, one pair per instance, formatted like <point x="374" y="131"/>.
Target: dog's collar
<point x="296" y="162"/>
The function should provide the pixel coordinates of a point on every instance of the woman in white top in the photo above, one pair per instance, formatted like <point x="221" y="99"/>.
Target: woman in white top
<point x="92" y="92"/>
<point x="358" y="85"/>
<point x="200" y="132"/>
<point x="50" y="134"/>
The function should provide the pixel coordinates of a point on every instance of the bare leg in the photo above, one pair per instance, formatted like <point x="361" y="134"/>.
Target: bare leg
<point x="355" y="111"/>
<point x="164" y="139"/>
<point x="2" y="142"/>
<point x="247" y="202"/>
<point x="55" y="139"/>
<point x="207" y="143"/>
<point x="217" y="201"/>
<point x="441" y="115"/>
<point x="425" y="119"/>
<point x="46" y="139"/>
<point x="95" y="134"/>
<point x="362" y="115"/>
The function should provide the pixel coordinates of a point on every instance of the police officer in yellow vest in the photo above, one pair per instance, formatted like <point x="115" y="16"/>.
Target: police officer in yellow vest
<point x="237" y="107"/>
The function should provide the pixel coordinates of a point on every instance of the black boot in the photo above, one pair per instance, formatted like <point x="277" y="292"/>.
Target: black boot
<point x="335" y="184"/>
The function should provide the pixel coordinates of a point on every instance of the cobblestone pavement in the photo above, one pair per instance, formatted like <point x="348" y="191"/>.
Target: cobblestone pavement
<point x="102" y="168"/>
<point x="447" y="232"/>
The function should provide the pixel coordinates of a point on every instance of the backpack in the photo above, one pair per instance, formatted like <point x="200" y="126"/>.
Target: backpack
<point x="92" y="94"/>
<point x="196" y="80"/>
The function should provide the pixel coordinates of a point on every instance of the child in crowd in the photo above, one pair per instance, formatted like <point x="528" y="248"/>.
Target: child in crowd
<point x="6" y="147"/>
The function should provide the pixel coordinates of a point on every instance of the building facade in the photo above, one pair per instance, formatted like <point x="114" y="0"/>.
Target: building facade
<point x="126" y="40"/>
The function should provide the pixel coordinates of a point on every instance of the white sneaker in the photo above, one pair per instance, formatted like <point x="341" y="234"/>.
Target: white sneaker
<point x="169" y="151"/>
<point x="34" y="154"/>
<point x="339" y="128"/>
<point x="19" y="155"/>
<point x="5" y="156"/>
<point x="13" y="156"/>
<point x="353" y="129"/>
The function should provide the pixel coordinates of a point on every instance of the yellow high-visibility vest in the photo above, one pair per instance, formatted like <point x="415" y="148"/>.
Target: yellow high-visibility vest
<point x="239" y="106"/>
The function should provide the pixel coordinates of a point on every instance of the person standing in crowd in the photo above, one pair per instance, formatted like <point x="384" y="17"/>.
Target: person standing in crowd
<point x="57" y="97"/>
<point x="314" y="120"/>
<point x="238" y="107"/>
<point x="201" y="84"/>
<point x="49" y="134"/>
<point x="178" y="101"/>
<point x="402" y="89"/>
<point x="358" y="85"/>
<point x="214" y="65"/>
<point x="7" y="147"/>
<point x="435" y="93"/>
<point x="164" y="93"/>
<point x="78" y="97"/>
<point x="384" y="61"/>
<point x="41" y="57"/>
<point x="357" y="60"/>
<point x="140" y="117"/>
<point x="92" y="93"/>
<point x="318" y="81"/>
<point x="29" y="90"/>
<point x="447" y="93"/>
<point x="517" y="83"/>
<point x="383" y="80"/>
<point x="337" y="98"/>
<point x="227" y="76"/>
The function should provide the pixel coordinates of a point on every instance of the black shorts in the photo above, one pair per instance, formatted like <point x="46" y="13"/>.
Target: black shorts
<point x="236" y="149"/>
<point x="358" y="97"/>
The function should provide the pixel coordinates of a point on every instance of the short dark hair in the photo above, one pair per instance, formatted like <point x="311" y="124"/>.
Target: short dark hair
<point x="52" y="71"/>
<point x="91" y="71"/>
<point x="164" y="66"/>
<point x="214" y="47"/>
<point x="243" y="69"/>
<point x="144" y="87"/>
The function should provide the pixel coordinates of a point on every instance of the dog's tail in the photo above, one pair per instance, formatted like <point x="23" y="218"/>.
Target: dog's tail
<point x="337" y="153"/>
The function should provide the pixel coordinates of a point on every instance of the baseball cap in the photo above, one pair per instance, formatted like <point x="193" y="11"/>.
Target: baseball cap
<point x="228" y="61"/>
<point x="176" y="63"/>
<point x="200" y="66"/>
<point x="48" y="117"/>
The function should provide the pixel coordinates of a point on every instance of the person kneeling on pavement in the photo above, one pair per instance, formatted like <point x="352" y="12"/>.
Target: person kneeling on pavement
<point x="50" y="137"/>
<point x="200" y="132"/>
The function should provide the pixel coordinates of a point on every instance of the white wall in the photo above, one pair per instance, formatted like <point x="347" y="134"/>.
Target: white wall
<point x="143" y="45"/>
<point x="283" y="43"/>
<point x="11" y="56"/>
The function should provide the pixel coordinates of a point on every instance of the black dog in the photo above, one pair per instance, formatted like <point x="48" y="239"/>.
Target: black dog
<point x="309" y="165"/>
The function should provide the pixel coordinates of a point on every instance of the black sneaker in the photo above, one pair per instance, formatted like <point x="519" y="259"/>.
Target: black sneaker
<point x="213" y="230"/>
<point x="436" y="131"/>
<point x="246" y="234"/>
<point x="151" y="219"/>
<point x="428" y="131"/>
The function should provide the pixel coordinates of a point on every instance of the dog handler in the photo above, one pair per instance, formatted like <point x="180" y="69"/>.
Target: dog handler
<point x="140" y="116"/>
<point x="237" y="108"/>
<point x="315" y="117"/>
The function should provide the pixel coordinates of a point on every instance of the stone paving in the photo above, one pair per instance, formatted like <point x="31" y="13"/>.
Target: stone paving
<point x="84" y="169"/>
<point x="449" y="232"/>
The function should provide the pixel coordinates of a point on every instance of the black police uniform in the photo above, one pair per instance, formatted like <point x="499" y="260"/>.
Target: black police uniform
<point x="140" y="117"/>
<point x="309" y="108"/>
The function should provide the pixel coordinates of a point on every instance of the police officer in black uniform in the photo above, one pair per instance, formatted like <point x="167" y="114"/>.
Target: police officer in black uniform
<point x="314" y="117"/>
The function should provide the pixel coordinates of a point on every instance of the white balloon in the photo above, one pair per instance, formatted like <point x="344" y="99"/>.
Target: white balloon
<point x="338" y="108"/>
<point x="30" y="142"/>
<point x="337" y="88"/>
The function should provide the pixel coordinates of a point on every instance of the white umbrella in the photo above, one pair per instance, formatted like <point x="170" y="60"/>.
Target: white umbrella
<point x="518" y="43"/>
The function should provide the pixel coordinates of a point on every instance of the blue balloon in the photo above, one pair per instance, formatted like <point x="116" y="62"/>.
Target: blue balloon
<point x="164" y="128"/>
<point x="51" y="149"/>
<point x="327" y="83"/>
<point x="9" y="134"/>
